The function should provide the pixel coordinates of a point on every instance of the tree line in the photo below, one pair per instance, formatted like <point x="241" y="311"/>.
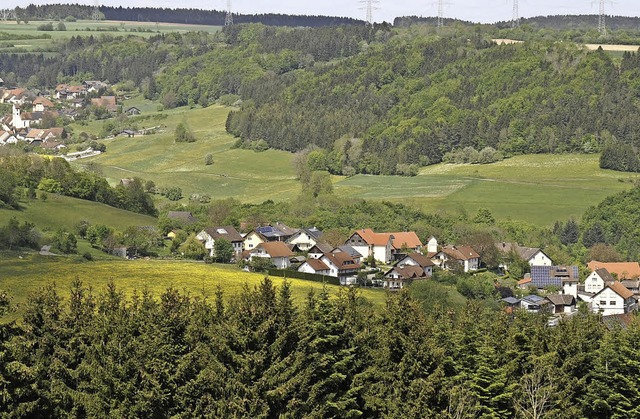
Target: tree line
<point x="262" y="354"/>
<point x="177" y="15"/>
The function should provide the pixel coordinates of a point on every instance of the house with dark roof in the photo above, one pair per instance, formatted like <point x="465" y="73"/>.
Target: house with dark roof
<point x="318" y="250"/>
<point x="552" y="276"/>
<point x="532" y="255"/>
<point x="535" y="304"/>
<point x="465" y="256"/>
<point x="355" y="255"/>
<point x="210" y="235"/>
<point x="597" y="280"/>
<point x="562" y="303"/>
<point x="398" y="277"/>
<point x="420" y="260"/>
<point x="305" y="238"/>
<point x="185" y="216"/>
<point x="614" y="298"/>
<point x="510" y="304"/>
<point x="132" y="111"/>
<point x="336" y="264"/>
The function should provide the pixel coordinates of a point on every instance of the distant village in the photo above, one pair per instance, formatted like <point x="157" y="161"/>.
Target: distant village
<point x="37" y="117"/>
<point x="393" y="260"/>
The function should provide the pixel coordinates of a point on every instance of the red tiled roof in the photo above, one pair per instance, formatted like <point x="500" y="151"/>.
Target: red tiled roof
<point x="624" y="270"/>
<point x="621" y="290"/>
<point x="372" y="238"/>
<point x="408" y="238"/>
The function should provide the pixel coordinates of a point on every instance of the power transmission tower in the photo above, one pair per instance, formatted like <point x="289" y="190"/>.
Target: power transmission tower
<point x="95" y="14"/>
<point x="602" y="27"/>
<point x="369" y="6"/>
<point x="515" y="21"/>
<point x="228" y="19"/>
<point x="440" y="14"/>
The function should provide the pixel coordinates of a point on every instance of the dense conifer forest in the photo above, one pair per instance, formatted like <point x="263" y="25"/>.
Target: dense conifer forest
<point x="263" y="355"/>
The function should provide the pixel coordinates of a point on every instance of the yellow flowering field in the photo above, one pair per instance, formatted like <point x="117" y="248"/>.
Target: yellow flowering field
<point x="20" y="277"/>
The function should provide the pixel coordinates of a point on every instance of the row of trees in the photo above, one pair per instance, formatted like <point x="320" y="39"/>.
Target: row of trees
<point x="260" y="354"/>
<point x="21" y="171"/>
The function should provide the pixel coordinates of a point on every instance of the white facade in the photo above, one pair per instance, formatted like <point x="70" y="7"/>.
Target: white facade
<point x="17" y="121"/>
<point x="594" y="283"/>
<point x="608" y="302"/>
<point x="278" y="262"/>
<point x="540" y="259"/>
<point x="306" y="268"/>
<point x="209" y="243"/>
<point x="570" y="288"/>
<point x="408" y="261"/>
<point x="303" y="240"/>
<point x="432" y="245"/>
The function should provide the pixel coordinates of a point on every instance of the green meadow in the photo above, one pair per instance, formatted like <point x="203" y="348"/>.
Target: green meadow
<point x="245" y="174"/>
<point x="539" y="189"/>
<point x="23" y="276"/>
<point x="87" y="28"/>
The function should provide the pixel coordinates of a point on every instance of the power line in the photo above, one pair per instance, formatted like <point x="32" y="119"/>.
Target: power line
<point x="228" y="19"/>
<point x="369" y="6"/>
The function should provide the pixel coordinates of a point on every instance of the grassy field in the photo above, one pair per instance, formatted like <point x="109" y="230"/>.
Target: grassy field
<point x="87" y="28"/>
<point x="22" y="276"/>
<point x="537" y="188"/>
<point x="244" y="174"/>
<point x="63" y="211"/>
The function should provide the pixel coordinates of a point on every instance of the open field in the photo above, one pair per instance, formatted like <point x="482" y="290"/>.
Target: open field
<point x="536" y="188"/>
<point x="86" y="28"/>
<point x="23" y="276"/>
<point x="62" y="211"/>
<point x="244" y="174"/>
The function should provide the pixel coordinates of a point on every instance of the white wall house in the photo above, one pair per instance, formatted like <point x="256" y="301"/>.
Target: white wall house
<point x="315" y="266"/>
<point x="278" y="252"/>
<point x="305" y="239"/>
<point x="16" y="120"/>
<point x="209" y="236"/>
<point x="418" y="259"/>
<point x="463" y="255"/>
<point x="613" y="299"/>
<point x="597" y="280"/>
<point x="368" y="243"/>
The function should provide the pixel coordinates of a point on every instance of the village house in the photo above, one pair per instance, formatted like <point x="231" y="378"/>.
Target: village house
<point x="400" y="277"/>
<point x="42" y="104"/>
<point x="253" y="239"/>
<point x="552" y="276"/>
<point x="278" y="252"/>
<point x="465" y="256"/>
<point x="535" y="304"/>
<point x="209" y="236"/>
<point x="420" y="260"/>
<point x="613" y="299"/>
<point x="69" y="92"/>
<point x="370" y="244"/>
<point x="532" y="255"/>
<point x="94" y="85"/>
<point x="338" y="264"/>
<point x="132" y="111"/>
<point x="185" y="217"/>
<point x="305" y="238"/>
<point x="7" y="138"/>
<point x="597" y="280"/>
<point x="355" y="255"/>
<point x="319" y="249"/>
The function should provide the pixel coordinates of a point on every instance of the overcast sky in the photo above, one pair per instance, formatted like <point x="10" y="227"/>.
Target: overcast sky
<point x="476" y="11"/>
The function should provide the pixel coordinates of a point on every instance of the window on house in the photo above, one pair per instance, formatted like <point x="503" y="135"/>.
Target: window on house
<point x="603" y="303"/>
<point x="613" y="303"/>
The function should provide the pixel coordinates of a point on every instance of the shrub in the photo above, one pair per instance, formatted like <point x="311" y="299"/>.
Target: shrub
<point x="208" y="159"/>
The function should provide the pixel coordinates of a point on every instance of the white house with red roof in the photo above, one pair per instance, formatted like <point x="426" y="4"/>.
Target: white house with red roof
<point x="463" y="255"/>
<point x="278" y="252"/>
<point x="614" y="298"/>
